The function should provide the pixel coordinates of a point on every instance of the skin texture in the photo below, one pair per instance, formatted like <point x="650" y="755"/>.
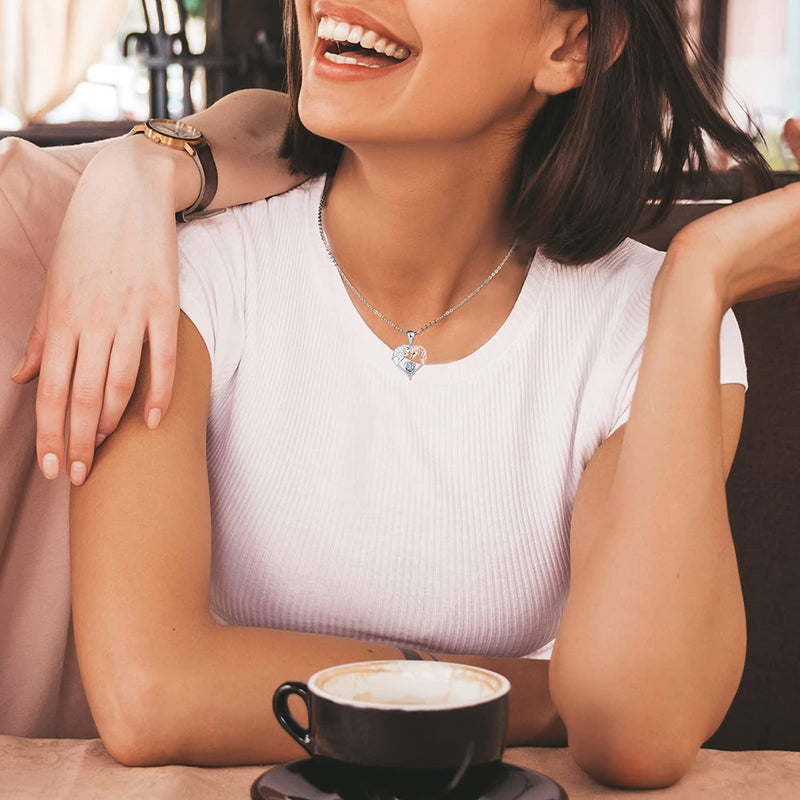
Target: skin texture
<point x="652" y="555"/>
<point x="421" y="140"/>
<point x="103" y="297"/>
<point x="652" y="559"/>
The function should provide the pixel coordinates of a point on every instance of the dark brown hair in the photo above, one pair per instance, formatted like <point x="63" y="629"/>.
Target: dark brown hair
<point x="595" y="156"/>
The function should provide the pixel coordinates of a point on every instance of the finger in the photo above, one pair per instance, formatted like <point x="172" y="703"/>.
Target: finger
<point x="28" y="368"/>
<point x="52" y="395"/>
<point x="791" y="132"/>
<point x="123" y="368"/>
<point x="163" y="337"/>
<point x="88" y="384"/>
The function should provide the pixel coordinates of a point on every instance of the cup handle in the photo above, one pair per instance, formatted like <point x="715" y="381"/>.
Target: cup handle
<point x="280" y="705"/>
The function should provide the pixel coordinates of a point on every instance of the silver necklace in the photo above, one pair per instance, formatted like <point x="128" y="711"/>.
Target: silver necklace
<point x="404" y="356"/>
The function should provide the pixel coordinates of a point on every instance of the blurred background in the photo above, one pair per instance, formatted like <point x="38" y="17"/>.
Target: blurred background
<point x="77" y="69"/>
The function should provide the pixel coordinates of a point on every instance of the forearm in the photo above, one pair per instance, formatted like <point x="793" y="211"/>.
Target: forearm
<point x="244" y="130"/>
<point x="532" y="716"/>
<point x="653" y="633"/>
<point x="205" y="694"/>
<point x="207" y="698"/>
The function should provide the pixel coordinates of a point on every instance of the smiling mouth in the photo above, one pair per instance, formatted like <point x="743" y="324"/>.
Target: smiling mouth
<point x="359" y="46"/>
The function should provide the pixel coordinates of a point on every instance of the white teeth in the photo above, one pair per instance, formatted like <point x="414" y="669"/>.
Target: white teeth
<point x="326" y="29"/>
<point x="338" y="59"/>
<point x="341" y="32"/>
<point x="332" y="30"/>
<point x="368" y="40"/>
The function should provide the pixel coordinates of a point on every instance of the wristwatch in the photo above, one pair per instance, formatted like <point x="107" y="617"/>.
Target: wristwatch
<point x="180" y="136"/>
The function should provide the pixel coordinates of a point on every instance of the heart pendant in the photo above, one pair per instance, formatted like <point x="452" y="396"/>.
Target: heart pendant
<point x="404" y="356"/>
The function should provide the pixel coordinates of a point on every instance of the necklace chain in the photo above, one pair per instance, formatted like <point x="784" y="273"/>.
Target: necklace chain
<point x="411" y="334"/>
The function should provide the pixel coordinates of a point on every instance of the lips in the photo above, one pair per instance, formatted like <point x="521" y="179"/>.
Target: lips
<point x="355" y="44"/>
<point x="349" y="38"/>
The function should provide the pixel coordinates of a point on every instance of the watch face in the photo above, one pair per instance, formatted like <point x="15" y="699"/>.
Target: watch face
<point x="176" y="130"/>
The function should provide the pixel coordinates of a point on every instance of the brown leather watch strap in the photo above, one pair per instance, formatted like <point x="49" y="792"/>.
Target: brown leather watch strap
<point x="209" y="182"/>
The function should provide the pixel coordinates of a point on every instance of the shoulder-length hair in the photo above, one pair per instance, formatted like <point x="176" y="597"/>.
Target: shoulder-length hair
<point x="593" y="157"/>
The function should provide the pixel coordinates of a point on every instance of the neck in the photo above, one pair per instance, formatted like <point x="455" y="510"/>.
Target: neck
<point x="417" y="229"/>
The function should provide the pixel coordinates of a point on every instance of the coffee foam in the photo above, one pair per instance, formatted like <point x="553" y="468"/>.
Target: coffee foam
<point x="408" y="684"/>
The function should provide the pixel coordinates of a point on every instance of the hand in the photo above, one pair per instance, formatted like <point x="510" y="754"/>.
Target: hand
<point x="112" y="282"/>
<point x="750" y="249"/>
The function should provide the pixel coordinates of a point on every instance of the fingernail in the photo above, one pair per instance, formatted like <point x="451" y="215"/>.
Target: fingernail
<point x="50" y="466"/>
<point x="77" y="473"/>
<point x="154" y="418"/>
<point x="18" y="368"/>
<point x="101" y="437"/>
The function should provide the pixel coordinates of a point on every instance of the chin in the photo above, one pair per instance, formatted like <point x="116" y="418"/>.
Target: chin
<point x="322" y="120"/>
<point x="331" y="120"/>
<point x="354" y="112"/>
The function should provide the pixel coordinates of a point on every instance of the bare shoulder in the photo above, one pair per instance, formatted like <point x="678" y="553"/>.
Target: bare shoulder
<point x="186" y="418"/>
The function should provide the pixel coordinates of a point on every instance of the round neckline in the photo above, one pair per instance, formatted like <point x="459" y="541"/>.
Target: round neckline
<point x="367" y="346"/>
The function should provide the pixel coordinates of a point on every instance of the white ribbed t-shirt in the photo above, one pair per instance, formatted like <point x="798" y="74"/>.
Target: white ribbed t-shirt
<point x="434" y="512"/>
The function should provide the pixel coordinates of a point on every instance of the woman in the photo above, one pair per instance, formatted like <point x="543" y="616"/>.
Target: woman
<point x="537" y="437"/>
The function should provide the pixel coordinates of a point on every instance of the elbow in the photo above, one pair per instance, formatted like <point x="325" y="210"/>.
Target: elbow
<point x="629" y="759"/>
<point x="137" y="721"/>
<point x="628" y="742"/>
<point x="637" y="732"/>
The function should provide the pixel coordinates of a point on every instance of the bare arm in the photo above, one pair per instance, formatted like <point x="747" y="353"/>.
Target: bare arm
<point x="651" y="646"/>
<point x="165" y="683"/>
<point x="245" y="130"/>
<point x="652" y="643"/>
<point x="112" y="279"/>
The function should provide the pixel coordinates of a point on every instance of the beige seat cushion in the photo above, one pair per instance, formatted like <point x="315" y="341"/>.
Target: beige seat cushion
<point x="40" y="691"/>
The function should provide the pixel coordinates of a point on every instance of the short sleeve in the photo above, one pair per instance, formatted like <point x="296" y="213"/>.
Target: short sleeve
<point x="733" y="368"/>
<point x="543" y="653"/>
<point x="212" y="275"/>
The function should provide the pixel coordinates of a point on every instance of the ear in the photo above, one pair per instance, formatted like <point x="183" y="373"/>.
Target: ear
<point x="564" y="54"/>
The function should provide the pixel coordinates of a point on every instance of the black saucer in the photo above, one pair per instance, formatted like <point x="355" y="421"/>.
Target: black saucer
<point x="324" y="779"/>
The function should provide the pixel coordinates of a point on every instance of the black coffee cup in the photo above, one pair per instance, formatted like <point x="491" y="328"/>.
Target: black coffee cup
<point x="400" y="714"/>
